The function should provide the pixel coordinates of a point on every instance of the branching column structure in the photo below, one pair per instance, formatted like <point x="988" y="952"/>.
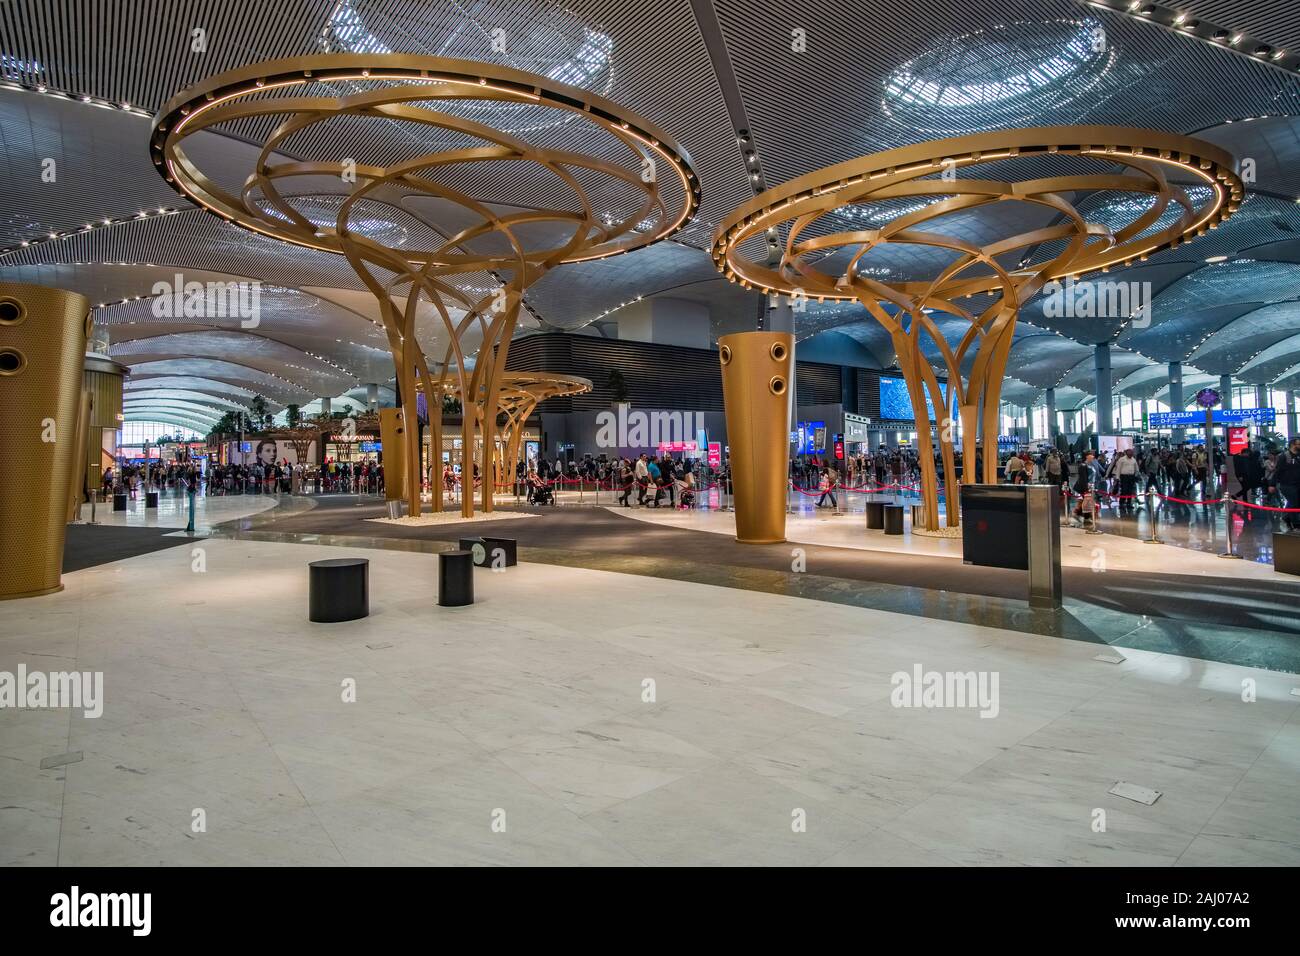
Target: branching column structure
<point x="931" y="195"/>
<point x="518" y="395"/>
<point x="435" y="133"/>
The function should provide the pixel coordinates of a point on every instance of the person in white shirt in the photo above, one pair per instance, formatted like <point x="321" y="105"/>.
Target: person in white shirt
<point x="642" y="473"/>
<point x="1126" y="468"/>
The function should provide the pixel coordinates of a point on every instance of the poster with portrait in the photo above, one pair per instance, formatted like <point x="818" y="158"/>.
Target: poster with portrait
<point x="269" y="451"/>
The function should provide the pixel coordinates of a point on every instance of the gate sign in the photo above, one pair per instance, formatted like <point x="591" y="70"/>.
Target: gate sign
<point x="1222" y="416"/>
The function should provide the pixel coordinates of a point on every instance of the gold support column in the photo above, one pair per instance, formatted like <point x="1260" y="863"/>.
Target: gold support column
<point x="103" y="379"/>
<point x="756" y="377"/>
<point x="42" y="349"/>
<point x="392" y="439"/>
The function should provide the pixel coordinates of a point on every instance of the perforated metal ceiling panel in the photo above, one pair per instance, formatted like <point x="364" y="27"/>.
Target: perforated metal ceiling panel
<point x="873" y="75"/>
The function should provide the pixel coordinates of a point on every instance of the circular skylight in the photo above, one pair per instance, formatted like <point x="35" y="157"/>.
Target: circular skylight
<point x="553" y="42"/>
<point x="1005" y="71"/>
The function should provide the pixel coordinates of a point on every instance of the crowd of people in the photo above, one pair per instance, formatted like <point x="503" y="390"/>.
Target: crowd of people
<point x="654" y="479"/>
<point x="256" y="477"/>
<point x="1185" y="473"/>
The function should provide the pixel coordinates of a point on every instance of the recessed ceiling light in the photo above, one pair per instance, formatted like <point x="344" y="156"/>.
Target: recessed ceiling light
<point x="1217" y="259"/>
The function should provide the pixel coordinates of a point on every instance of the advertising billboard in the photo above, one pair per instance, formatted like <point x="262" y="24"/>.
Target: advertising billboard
<point x="896" y="403"/>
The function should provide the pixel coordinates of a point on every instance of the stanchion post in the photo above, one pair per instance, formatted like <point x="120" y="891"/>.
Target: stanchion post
<point x="1151" y="517"/>
<point x="1227" y="526"/>
<point x="1092" y="512"/>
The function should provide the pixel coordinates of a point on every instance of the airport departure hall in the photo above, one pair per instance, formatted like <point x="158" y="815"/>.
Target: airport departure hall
<point x="675" y="433"/>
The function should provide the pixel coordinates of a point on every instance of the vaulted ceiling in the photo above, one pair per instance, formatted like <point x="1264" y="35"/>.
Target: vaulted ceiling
<point x="756" y="91"/>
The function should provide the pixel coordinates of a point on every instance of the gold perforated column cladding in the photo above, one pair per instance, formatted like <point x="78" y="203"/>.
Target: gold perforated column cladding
<point x="756" y="381"/>
<point x="103" y="380"/>
<point x="42" y="347"/>
<point x="392" y="438"/>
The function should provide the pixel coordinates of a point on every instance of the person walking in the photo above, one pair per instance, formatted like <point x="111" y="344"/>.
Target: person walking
<point x="826" y="485"/>
<point x="642" y="475"/>
<point x="1286" y="481"/>
<point x="1125" y="468"/>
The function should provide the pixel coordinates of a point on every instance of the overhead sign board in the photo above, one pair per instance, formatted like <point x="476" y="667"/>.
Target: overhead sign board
<point x="1222" y="416"/>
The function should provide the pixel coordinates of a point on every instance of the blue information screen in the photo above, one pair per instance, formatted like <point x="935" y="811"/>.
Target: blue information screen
<point x="1222" y="416"/>
<point x="895" y="402"/>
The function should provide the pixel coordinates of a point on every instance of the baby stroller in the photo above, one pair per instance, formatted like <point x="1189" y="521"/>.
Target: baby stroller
<point x="541" y="495"/>
<point x="686" y="497"/>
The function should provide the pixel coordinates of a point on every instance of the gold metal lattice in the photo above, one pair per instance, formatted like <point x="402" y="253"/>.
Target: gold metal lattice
<point x="431" y="94"/>
<point x="518" y="397"/>
<point x="941" y="178"/>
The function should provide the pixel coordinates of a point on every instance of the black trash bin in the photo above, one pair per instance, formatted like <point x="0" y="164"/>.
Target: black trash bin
<point x="1286" y="552"/>
<point x="339" y="590"/>
<point x="119" y="501"/>
<point x="455" y="578"/>
<point x="875" y="515"/>
<point x="893" y="519"/>
<point x="151" y="499"/>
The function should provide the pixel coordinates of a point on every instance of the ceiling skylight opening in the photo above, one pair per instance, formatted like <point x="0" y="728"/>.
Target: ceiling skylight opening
<point x="556" y="43"/>
<point x="1013" y="67"/>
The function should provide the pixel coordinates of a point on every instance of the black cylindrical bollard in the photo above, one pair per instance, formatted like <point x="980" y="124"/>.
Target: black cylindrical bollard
<point x="151" y="499"/>
<point x="893" y="519"/>
<point x="875" y="515"/>
<point x="119" y="501"/>
<point x="455" y="578"/>
<point x="339" y="590"/>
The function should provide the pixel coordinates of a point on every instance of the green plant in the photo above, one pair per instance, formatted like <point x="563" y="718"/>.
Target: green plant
<point x="617" y="386"/>
<point x="260" y="413"/>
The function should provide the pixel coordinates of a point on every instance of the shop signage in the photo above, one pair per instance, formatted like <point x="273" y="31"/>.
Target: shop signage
<point x="855" y="427"/>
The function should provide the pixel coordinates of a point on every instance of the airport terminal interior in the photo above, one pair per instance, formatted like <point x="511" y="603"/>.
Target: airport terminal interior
<point x="672" y="433"/>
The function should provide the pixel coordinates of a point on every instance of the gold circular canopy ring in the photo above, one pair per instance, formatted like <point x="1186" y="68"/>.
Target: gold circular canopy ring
<point x="224" y="98"/>
<point x="911" y="171"/>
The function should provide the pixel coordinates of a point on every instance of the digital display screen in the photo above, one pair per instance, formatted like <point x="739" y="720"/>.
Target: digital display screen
<point x="807" y="438"/>
<point x="896" y="403"/>
<point x="370" y="447"/>
<point x="1222" y="416"/>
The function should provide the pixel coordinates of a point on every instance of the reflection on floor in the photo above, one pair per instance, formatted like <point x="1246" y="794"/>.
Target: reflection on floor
<point x="1238" y="617"/>
<point x="578" y="716"/>
<point x="173" y="510"/>
<point x="847" y="529"/>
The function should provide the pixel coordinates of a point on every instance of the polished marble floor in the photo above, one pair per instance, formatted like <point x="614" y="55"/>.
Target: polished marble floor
<point x="173" y="510"/>
<point x="523" y="729"/>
